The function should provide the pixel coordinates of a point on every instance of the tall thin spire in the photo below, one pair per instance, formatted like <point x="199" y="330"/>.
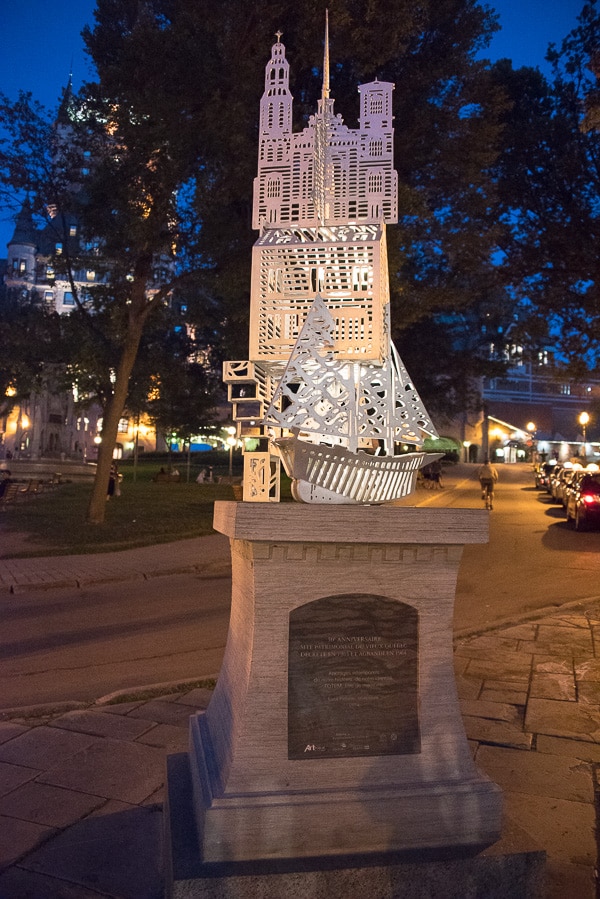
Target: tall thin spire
<point x="325" y="90"/>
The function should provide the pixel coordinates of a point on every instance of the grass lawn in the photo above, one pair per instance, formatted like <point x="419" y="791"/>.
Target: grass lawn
<point x="144" y="514"/>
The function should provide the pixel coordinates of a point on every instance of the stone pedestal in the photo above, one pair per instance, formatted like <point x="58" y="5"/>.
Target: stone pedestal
<point x="335" y="729"/>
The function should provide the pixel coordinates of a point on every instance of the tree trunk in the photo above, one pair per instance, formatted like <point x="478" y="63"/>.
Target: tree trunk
<point x="114" y="411"/>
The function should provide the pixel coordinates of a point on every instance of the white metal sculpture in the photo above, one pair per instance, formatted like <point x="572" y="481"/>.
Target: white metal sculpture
<point x="324" y="382"/>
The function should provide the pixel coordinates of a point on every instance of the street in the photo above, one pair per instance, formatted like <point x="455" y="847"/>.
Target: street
<point x="70" y="644"/>
<point x="533" y="560"/>
<point x="80" y="644"/>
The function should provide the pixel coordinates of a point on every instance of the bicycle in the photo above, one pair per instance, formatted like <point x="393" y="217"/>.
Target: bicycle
<point x="487" y="494"/>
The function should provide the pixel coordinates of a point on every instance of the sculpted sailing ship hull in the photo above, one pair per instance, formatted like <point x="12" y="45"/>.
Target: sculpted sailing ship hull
<point x="333" y="474"/>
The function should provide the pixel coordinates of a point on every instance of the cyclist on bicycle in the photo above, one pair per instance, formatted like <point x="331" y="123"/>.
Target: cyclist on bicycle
<point x="488" y="476"/>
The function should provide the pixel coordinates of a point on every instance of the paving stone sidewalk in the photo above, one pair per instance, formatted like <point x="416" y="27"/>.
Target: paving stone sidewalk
<point x="81" y="789"/>
<point x="81" y="795"/>
<point x="207" y="556"/>
<point x="529" y="695"/>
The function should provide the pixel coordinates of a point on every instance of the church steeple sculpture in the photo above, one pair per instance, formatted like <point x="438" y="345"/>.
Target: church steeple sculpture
<point x="322" y="199"/>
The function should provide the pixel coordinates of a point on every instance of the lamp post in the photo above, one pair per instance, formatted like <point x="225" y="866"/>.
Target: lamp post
<point x="532" y="429"/>
<point x="583" y="420"/>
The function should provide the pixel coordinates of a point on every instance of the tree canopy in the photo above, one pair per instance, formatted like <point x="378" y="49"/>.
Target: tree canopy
<point x="549" y="188"/>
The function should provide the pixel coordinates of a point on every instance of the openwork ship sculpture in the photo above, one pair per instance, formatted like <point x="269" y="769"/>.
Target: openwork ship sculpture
<point x="325" y="390"/>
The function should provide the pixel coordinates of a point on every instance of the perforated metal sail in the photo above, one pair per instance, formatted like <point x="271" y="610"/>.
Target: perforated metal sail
<point x="353" y="401"/>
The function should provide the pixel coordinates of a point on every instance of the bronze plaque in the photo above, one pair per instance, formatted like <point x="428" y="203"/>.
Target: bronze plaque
<point x="353" y="678"/>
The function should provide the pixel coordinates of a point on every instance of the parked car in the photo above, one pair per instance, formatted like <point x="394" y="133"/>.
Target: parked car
<point x="541" y="473"/>
<point x="583" y="500"/>
<point x="556" y="470"/>
<point x="561" y="482"/>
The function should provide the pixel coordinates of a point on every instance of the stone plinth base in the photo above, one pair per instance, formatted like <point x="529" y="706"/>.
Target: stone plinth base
<point x="335" y="728"/>
<point x="513" y="868"/>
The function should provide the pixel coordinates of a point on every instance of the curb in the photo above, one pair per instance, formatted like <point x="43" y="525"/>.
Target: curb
<point x="128" y="695"/>
<point x="131" y="694"/>
<point x="543" y="612"/>
<point x="43" y="710"/>
<point x="215" y="570"/>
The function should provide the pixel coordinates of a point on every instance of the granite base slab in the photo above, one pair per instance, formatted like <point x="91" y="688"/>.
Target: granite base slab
<point x="513" y="868"/>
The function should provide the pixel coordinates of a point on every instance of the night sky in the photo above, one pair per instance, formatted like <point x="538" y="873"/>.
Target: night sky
<point x="40" y="45"/>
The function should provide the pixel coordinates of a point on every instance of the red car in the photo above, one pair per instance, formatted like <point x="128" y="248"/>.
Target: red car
<point x="583" y="500"/>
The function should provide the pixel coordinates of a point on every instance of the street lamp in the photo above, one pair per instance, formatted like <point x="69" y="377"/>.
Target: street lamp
<point x="583" y="420"/>
<point x="532" y="429"/>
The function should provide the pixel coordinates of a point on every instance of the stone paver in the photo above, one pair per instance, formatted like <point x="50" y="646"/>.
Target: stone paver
<point x="164" y="712"/>
<point x="42" y="747"/>
<point x="563" y="719"/>
<point x="538" y="774"/>
<point x="101" y="725"/>
<point x="500" y="733"/>
<point x="44" y="804"/>
<point x="139" y="771"/>
<point x="19" y="837"/>
<point x="12" y="776"/>
<point x="96" y="852"/>
<point x="8" y="730"/>
<point x="166" y="736"/>
<point x="577" y="749"/>
<point x="568" y="838"/>
<point x="545" y="755"/>
<point x="553" y="686"/>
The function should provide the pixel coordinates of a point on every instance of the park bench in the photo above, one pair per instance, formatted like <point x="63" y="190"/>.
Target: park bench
<point x="13" y="493"/>
<point x="19" y="491"/>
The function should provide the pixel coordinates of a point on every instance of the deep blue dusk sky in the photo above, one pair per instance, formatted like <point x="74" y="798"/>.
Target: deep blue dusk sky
<point x="40" y="44"/>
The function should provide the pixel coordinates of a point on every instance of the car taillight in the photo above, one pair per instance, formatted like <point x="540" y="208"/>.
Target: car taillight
<point x="589" y="498"/>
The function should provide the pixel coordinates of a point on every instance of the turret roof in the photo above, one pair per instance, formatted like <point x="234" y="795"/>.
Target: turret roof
<point x="25" y="232"/>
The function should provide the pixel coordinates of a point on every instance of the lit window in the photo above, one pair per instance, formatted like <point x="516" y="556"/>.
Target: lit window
<point x="90" y="275"/>
<point x="59" y="249"/>
<point x="49" y="272"/>
<point x="72" y="230"/>
<point x="48" y="296"/>
<point x="22" y="266"/>
<point x="123" y="425"/>
<point x="68" y="299"/>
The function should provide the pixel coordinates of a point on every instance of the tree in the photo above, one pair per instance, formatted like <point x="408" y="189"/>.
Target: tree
<point x="549" y="187"/>
<point x="110" y="164"/>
